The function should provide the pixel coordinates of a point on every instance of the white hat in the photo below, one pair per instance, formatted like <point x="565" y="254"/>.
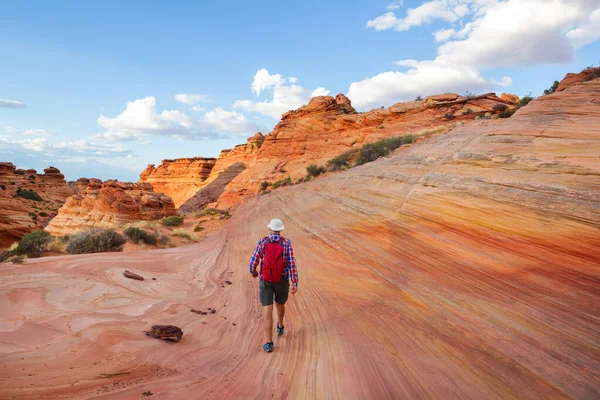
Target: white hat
<point x="276" y="225"/>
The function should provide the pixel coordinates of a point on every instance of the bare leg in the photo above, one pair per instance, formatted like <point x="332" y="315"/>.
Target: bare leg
<point x="268" y="321"/>
<point x="280" y="313"/>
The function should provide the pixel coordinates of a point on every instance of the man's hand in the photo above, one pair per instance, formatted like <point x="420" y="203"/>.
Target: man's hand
<point x="294" y="289"/>
<point x="255" y="274"/>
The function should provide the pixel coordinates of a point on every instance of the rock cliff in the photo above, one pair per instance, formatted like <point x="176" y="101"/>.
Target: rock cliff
<point x="20" y="215"/>
<point x="179" y="179"/>
<point x="107" y="204"/>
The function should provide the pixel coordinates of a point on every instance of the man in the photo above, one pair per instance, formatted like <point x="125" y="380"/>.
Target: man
<point x="277" y="266"/>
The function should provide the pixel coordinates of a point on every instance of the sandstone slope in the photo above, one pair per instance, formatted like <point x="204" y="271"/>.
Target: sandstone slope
<point x="465" y="267"/>
<point x="19" y="215"/>
<point x="107" y="204"/>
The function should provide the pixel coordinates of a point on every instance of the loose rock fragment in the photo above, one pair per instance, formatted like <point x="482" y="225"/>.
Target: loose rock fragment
<point x="131" y="275"/>
<point x="165" y="332"/>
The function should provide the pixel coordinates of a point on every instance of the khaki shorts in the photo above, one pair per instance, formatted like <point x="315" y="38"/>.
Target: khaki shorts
<point x="268" y="290"/>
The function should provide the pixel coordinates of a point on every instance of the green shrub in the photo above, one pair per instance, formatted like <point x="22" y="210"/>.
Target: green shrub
<point x="264" y="185"/>
<point x="342" y="161"/>
<point x="3" y="187"/>
<point x="372" y="151"/>
<point x="525" y="100"/>
<point x="33" y="244"/>
<point x="448" y="116"/>
<point x="198" y="228"/>
<point x="213" y="211"/>
<point x="173" y="220"/>
<point x="136" y="235"/>
<point x="470" y="95"/>
<point x="507" y="113"/>
<point x="29" y="194"/>
<point x="593" y="75"/>
<point x="468" y="111"/>
<point x="182" y="234"/>
<point x="163" y="240"/>
<point x="13" y="183"/>
<point x="283" y="182"/>
<point x="313" y="170"/>
<point x="499" y="107"/>
<point x="5" y="255"/>
<point x="552" y="88"/>
<point x="16" y="259"/>
<point x="418" y="98"/>
<point x="95" y="241"/>
<point x="43" y="214"/>
<point x="64" y="238"/>
<point x="407" y="139"/>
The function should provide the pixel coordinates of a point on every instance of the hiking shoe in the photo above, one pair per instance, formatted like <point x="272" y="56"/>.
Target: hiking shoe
<point x="280" y="330"/>
<point x="268" y="347"/>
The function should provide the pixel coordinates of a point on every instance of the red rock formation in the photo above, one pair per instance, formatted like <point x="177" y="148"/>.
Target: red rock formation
<point x="572" y="79"/>
<point x="179" y="179"/>
<point x="18" y="215"/>
<point x="328" y="126"/>
<point x="229" y="165"/>
<point x="511" y="98"/>
<point x="108" y="204"/>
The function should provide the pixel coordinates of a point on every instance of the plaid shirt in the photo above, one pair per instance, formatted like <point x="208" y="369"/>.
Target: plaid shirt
<point x="289" y="261"/>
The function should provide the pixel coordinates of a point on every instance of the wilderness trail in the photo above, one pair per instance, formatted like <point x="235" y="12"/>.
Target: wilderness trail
<point x="482" y="283"/>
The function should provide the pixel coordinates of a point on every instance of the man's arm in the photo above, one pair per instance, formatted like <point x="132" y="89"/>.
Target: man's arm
<point x="291" y="261"/>
<point x="255" y="259"/>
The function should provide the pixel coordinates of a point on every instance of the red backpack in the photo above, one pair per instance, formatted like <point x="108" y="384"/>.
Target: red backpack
<point x="272" y="268"/>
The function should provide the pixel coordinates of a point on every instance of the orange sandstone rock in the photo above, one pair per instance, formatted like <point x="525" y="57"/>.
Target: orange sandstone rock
<point x="179" y="179"/>
<point x="19" y="215"/>
<point x="107" y="204"/>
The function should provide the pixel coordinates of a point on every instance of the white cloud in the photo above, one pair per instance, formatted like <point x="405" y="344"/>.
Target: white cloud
<point x="587" y="32"/>
<point x="320" y="91"/>
<point x="38" y="144"/>
<point x="264" y="81"/>
<point x="395" y="5"/>
<point x="229" y="121"/>
<point x="140" y="120"/>
<point x="425" y="13"/>
<point x="443" y="34"/>
<point x="198" y="109"/>
<point x="39" y="132"/>
<point x="191" y="99"/>
<point x="484" y="34"/>
<point x="11" y="104"/>
<point x="81" y="147"/>
<point x="287" y="95"/>
<point x="424" y="78"/>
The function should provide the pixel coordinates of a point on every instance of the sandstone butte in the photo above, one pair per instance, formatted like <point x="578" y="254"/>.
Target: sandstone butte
<point x="108" y="204"/>
<point x="462" y="267"/>
<point x="18" y="215"/>
<point x="326" y="127"/>
<point x="180" y="179"/>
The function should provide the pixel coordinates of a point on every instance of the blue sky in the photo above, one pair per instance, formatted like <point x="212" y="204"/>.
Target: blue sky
<point x="90" y="87"/>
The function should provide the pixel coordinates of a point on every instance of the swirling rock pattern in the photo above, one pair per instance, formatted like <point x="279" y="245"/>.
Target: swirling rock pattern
<point x="464" y="267"/>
